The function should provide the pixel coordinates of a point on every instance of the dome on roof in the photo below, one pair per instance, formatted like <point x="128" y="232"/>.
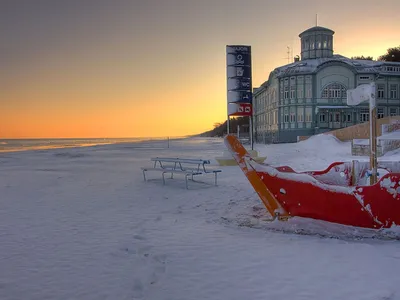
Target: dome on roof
<point x="316" y="42"/>
<point x="316" y="28"/>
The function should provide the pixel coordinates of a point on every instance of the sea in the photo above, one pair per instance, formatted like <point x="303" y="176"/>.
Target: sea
<point x="12" y="145"/>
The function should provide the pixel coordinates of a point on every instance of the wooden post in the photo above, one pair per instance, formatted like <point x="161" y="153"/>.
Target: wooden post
<point x="353" y="173"/>
<point x="372" y="137"/>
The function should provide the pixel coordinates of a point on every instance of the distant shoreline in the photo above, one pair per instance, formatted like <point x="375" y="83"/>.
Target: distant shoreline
<point x="20" y="145"/>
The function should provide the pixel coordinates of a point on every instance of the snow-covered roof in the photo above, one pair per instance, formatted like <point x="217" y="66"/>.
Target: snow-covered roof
<point x="308" y="66"/>
<point x="316" y="28"/>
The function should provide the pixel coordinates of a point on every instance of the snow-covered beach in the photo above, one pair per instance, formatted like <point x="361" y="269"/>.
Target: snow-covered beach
<point x="80" y="223"/>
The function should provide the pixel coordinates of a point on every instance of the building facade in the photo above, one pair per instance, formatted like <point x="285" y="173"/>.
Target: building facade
<point x="309" y="96"/>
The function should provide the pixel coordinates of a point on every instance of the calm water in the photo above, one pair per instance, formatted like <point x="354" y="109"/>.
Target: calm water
<point x="8" y="145"/>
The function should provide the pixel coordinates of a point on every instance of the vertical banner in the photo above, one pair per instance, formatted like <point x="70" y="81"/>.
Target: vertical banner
<point x="239" y="83"/>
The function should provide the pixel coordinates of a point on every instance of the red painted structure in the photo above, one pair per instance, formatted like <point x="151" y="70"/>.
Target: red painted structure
<point x="338" y="194"/>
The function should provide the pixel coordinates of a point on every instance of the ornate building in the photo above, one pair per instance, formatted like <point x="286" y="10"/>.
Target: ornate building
<point x="308" y="96"/>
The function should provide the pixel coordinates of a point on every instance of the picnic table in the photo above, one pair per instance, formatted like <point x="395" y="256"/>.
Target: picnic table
<point x="185" y="166"/>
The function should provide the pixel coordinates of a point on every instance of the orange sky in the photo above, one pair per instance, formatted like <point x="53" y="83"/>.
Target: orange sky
<point x="155" y="69"/>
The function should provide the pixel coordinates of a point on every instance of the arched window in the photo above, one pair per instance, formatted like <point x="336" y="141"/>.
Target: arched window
<point x="334" y="91"/>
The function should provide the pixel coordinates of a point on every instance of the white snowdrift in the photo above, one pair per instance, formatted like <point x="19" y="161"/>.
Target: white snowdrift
<point x="82" y="224"/>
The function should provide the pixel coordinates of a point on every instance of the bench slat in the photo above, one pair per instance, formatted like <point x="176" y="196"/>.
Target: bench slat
<point x="181" y="160"/>
<point x="166" y="170"/>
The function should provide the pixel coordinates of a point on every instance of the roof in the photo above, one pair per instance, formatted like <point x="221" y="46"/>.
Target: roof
<point x="316" y="28"/>
<point x="309" y="66"/>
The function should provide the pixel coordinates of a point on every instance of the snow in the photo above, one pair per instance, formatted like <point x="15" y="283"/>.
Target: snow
<point x="361" y="142"/>
<point x="303" y="178"/>
<point x="81" y="223"/>
<point x="394" y="135"/>
<point x="311" y="65"/>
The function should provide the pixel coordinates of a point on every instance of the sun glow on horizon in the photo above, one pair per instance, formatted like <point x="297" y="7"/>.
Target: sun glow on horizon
<point x="92" y="70"/>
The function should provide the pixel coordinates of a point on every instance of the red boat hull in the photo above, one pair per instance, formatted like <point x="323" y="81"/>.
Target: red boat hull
<point x="315" y="194"/>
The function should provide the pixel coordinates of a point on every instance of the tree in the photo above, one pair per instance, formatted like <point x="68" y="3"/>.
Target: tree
<point x="362" y="57"/>
<point x="220" y="129"/>
<point x="393" y="54"/>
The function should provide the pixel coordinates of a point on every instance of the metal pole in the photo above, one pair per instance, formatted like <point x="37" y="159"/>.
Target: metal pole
<point x="251" y="132"/>
<point x="372" y="136"/>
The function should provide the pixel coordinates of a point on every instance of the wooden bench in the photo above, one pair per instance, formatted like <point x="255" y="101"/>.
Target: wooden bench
<point x="186" y="166"/>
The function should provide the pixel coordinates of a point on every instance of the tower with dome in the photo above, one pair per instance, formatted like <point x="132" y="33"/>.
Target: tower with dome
<point x="308" y="96"/>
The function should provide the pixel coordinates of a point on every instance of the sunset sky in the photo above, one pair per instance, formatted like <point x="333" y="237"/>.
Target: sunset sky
<point x="155" y="68"/>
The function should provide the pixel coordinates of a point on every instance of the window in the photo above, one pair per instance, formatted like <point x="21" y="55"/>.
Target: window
<point x="389" y="69"/>
<point x="300" y="117"/>
<point x="364" y="77"/>
<point x="292" y="92"/>
<point x="334" y="91"/>
<point x="381" y="91"/>
<point x="348" y="118"/>
<point x="393" y="91"/>
<point x="292" y="117"/>
<point x="318" y="42"/>
<point x="300" y="92"/>
<point x="393" y="111"/>
<point x="309" y="95"/>
<point x="286" y="95"/>
<point x="322" y="118"/>
<point x="300" y="79"/>
<point x="286" y="120"/>
<point x="364" y="115"/>
<point x="308" y="114"/>
<point x="337" y="117"/>
<point x="380" y="113"/>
